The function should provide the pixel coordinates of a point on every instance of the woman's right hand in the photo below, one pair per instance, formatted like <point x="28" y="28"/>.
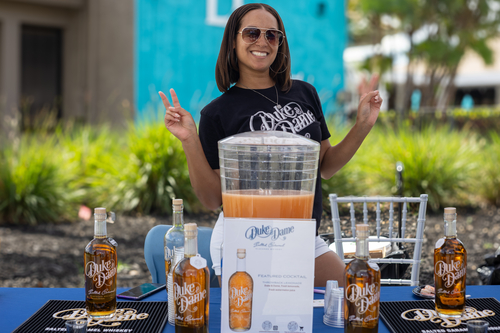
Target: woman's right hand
<point x="177" y="120"/>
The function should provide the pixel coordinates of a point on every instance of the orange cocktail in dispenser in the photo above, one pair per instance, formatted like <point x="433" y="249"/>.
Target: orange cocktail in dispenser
<point x="268" y="174"/>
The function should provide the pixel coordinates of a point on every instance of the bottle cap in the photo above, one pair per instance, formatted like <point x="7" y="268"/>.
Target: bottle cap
<point x="177" y="205"/>
<point x="100" y="214"/>
<point x="100" y="210"/>
<point x="190" y="226"/>
<point x="450" y="210"/>
<point x="362" y="227"/>
<point x="190" y="230"/>
<point x="450" y="213"/>
<point x="100" y="221"/>
<point x="362" y="230"/>
<point x="241" y="253"/>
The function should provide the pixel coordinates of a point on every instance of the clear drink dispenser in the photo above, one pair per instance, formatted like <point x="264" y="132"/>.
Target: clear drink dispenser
<point x="268" y="174"/>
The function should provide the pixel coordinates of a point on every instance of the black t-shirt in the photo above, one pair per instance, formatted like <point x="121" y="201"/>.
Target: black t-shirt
<point x="242" y="110"/>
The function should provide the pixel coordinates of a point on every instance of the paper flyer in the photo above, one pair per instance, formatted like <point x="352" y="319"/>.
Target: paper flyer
<point x="268" y="275"/>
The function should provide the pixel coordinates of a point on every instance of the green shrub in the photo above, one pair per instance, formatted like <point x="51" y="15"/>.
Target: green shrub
<point x="89" y="152"/>
<point x="479" y="119"/>
<point x="489" y="171"/>
<point x="439" y="162"/>
<point x="147" y="173"/>
<point x="33" y="186"/>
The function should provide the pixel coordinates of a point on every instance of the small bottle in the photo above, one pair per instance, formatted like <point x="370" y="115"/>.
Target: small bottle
<point x="450" y="266"/>
<point x="100" y="270"/>
<point x="191" y="287"/>
<point x="361" y="288"/>
<point x="240" y="296"/>
<point x="174" y="252"/>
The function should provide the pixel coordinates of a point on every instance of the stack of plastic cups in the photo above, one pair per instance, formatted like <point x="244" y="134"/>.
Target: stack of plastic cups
<point x="334" y="305"/>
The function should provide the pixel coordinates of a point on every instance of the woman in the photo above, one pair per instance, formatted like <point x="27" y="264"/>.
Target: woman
<point x="253" y="72"/>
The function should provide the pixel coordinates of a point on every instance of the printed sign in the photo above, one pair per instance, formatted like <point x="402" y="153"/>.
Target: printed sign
<point x="268" y="275"/>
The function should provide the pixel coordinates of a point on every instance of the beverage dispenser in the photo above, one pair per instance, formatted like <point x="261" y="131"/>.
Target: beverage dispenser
<point x="268" y="174"/>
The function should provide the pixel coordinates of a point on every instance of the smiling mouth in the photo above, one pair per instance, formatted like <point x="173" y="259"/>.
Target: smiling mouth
<point x="259" y="54"/>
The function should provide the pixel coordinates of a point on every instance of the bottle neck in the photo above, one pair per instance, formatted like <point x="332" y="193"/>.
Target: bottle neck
<point x="450" y="227"/>
<point x="190" y="246"/>
<point x="241" y="265"/>
<point x="100" y="229"/>
<point x="178" y="218"/>
<point x="362" y="250"/>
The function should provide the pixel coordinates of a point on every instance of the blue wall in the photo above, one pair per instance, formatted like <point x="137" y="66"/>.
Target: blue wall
<point x="177" y="43"/>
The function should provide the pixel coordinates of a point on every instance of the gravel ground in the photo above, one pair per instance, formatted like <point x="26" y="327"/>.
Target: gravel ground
<point x="51" y="255"/>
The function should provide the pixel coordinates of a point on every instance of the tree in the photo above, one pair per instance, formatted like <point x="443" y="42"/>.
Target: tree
<point x="440" y="32"/>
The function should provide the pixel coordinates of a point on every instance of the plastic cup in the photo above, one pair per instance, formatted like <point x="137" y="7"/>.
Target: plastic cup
<point x="334" y="313"/>
<point x="76" y="326"/>
<point x="477" y="326"/>
<point x="330" y="284"/>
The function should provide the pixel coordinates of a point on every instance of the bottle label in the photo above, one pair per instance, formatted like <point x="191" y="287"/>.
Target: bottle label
<point x="240" y="296"/>
<point x="198" y="262"/>
<point x="450" y="272"/>
<point x="363" y="297"/>
<point x="169" y="253"/>
<point x="187" y="296"/>
<point x="101" y="273"/>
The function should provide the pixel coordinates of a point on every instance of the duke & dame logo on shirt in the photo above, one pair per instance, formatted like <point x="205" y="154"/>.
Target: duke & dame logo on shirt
<point x="290" y="118"/>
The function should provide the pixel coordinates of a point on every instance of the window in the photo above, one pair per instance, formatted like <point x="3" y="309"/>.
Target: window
<point x="41" y="65"/>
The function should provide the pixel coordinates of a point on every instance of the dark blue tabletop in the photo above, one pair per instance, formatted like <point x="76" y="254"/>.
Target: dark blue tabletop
<point x="18" y="304"/>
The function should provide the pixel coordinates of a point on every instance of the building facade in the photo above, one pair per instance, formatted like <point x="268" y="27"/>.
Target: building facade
<point x="74" y="57"/>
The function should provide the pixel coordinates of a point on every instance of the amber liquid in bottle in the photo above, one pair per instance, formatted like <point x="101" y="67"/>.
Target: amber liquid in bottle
<point x="361" y="288"/>
<point x="191" y="287"/>
<point x="240" y="296"/>
<point x="450" y="266"/>
<point x="100" y="271"/>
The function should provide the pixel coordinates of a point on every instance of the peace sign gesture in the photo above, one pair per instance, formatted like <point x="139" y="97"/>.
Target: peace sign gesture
<point x="177" y="120"/>
<point x="369" y="108"/>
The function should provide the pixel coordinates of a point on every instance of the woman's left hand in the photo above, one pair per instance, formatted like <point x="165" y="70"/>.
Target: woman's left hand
<point x="368" y="109"/>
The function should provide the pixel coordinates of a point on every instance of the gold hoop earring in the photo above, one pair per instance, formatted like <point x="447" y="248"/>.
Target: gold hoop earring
<point x="284" y="61"/>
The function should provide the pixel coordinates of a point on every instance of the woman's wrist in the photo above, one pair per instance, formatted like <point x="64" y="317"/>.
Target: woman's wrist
<point x="362" y="127"/>
<point x="190" y="141"/>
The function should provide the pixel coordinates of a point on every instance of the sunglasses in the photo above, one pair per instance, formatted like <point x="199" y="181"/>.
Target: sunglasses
<point x="251" y="35"/>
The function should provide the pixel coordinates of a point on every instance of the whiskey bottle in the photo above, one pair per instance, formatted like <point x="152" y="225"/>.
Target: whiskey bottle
<point x="240" y="296"/>
<point x="100" y="270"/>
<point x="361" y="288"/>
<point x="450" y="266"/>
<point x="191" y="287"/>
<point x="174" y="252"/>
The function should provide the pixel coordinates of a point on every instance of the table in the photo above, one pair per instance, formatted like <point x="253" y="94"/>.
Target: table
<point x="18" y="304"/>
